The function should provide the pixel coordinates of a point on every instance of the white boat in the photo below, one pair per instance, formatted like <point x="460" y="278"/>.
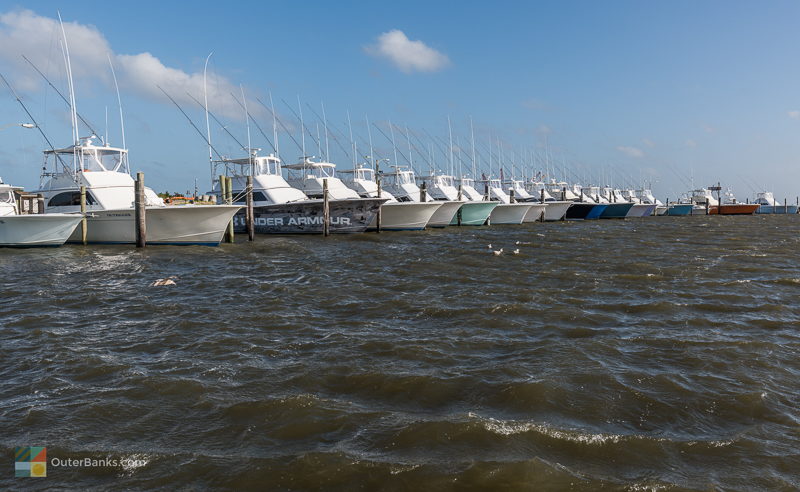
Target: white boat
<point x="505" y="212"/>
<point x="395" y="215"/>
<point x="538" y="208"/>
<point x="556" y="209"/>
<point x="279" y="208"/>
<point x="442" y="188"/>
<point x="104" y="171"/>
<point x="27" y="230"/>
<point x="402" y="184"/>
<point x="639" y="208"/>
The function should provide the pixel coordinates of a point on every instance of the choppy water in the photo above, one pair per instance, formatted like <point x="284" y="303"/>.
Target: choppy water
<point x="643" y="354"/>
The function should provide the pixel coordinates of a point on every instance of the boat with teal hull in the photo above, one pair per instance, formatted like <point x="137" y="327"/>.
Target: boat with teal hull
<point x="616" y="210"/>
<point x="679" y="209"/>
<point x="474" y="213"/>
<point x="777" y="209"/>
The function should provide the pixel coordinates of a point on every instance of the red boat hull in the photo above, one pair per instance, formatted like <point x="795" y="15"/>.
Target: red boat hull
<point x="733" y="209"/>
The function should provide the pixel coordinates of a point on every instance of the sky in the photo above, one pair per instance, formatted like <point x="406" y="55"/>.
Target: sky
<point x="673" y="95"/>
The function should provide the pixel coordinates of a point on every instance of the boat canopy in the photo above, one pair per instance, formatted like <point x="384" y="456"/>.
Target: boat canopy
<point x="93" y="158"/>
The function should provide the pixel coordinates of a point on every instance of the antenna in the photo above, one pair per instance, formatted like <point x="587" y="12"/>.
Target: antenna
<point x="208" y="125"/>
<point x="274" y="127"/>
<point x="352" y="142"/>
<point x="410" y="157"/>
<point x="325" y="124"/>
<point x="450" y="131"/>
<point x="247" y="123"/>
<point x="302" y="126"/>
<point x="119" y="102"/>
<point x="472" y="137"/>
<point x="394" y="146"/>
<point x="369" y="134"/>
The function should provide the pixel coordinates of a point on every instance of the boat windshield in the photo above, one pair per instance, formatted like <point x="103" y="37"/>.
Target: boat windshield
<point x="365" y="173"/>
<point x="99" y="159"/>
<point x="265" y="165"/>
<point x="6" y="196"/>
<point x="494" y="183"/>
<point x="467" y="182"/>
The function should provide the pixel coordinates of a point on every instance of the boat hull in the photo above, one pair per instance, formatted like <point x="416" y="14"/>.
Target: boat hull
<point x="777" y="209"/>
<point x="347" y="216"/>
<point x="556" y="210"/>
<point x="509" y="213"/>
<point x="445" y="214"/>
<point x="584" y="211"/>
<point x="27" y="231"/>
<point x="641" y="210"/>
<point x="679" y="210"/>
<point x="474" y="213"/>
<point x="733" y="209"/>
<point x="661" y="210"/>
<point x="536" y="212"/>
<point x="176" y="225"/>
<point x="699" y="210"/>
<point x="616" y="211"/>
<point x="404" y="216"/>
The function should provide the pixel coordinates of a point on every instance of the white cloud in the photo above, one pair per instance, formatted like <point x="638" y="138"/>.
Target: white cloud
<point x="709" y="128"/>
<point x="691" y="143"/>
<point x="648" y="142"/>
<point x="794" y="114"/>
<point x="534" y="105"/>
<point x="407" y="55"/>
<point x="23" y="32"/>
<point x="631" y="151"/>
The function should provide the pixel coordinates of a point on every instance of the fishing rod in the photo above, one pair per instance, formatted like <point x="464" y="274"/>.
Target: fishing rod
<point x="224" y="128"/>
<point x="254" y="121"/>
<point x="280" y="122"/>
<point x="36" y="125"/>
<point x="393" y="145"/>
<point x="205" y="139"/>
<point x="328" y="130"/>
<point x="88" y="125"/>
<point x="302" y="125"/>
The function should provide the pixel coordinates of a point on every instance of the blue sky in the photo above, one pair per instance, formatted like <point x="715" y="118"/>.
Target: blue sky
<point x="665" y="92"/>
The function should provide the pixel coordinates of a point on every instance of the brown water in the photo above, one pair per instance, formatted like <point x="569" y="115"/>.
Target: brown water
<point x="658" y="353"/>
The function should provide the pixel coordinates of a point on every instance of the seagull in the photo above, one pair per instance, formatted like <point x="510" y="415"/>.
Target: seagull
<point x="162" y="282"/>
<point x="516" y="251"/>
<point x="498" y="252"/>
<point x="490" y="246"/>
<point x="517" y="243"/>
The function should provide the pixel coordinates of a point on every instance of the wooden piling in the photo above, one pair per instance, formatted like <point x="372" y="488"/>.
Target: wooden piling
<point x="40" y="203"/>
<point x="423" y="193"/>
<point x="458" y="214"/>
<point x="378" y="213"/>
<point x="326" y="212"/>
<point x="511" y="198"/>
<point x="249" y="213"/>
<point x="541" y="198"/>
<point x="564" y="194"/>
<point x="140" y="211"/>
<point x="84" y="224"/>
<point x="229" y="201"/>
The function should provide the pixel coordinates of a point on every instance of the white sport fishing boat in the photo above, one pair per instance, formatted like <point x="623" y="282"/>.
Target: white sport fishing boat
<point x="472" y="213"/>
<point x="279" y="208"/>
<point x="505" y="212"/>
<point x="480" y="215"/>
<point x="556" y="208"/>
<point x="28" y="230"/>
<point x="402" y="184"/>
<point x="395" y="215"/>
<point x="538" y="208"/>
<point x="104" y="171"/>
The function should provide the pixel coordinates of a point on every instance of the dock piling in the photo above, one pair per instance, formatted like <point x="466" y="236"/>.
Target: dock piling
<point x="140" y="211"/>
<point x="249" y="213"/>
<point x="423" y="193"/>
<point x="40" y="203"/>
<point x="326" y="212"/>
<point x="84" y="224"/>
<point x="229" y="201"/>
